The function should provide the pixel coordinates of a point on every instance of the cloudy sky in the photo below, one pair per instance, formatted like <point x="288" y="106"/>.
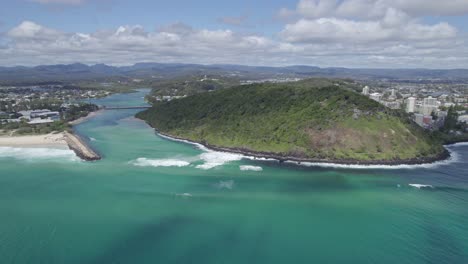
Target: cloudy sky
<point x="327" y="33"/>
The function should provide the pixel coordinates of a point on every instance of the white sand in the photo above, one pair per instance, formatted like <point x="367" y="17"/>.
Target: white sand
<point x="49" y="140"/>
<point x="83" y="119"/>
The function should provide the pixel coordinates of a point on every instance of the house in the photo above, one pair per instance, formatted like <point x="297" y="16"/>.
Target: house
<point x="463" y="119"/>
<point x="40" y="121"/>
<point x="44" y="114"/>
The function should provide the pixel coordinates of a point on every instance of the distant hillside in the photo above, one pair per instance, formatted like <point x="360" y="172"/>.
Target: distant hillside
<point x="318" y="119"/>
<point x="77" y="71"/>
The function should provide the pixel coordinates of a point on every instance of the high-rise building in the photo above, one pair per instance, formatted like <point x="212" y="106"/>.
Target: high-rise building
<point x="365" y="90"/>
<point x="429" y="105"/>
<point x="410" y="105"/>
<point x="392" y="96"/>
<point x="430" y="101"/>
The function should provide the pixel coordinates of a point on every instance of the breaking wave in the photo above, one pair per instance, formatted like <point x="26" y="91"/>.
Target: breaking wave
<point x="144" y="162"/>
<point x="250" y="168"/>
<point x="39" y="154"/>
<point x="454" y="157"/>
<point x="421" y="186"/>
<point x="198" y="145"/>
<point x="214" y="159"/>
<point x="210" y="158"/>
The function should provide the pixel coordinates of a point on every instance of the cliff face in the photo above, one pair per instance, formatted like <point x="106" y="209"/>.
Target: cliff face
<point x="310" y="120"/>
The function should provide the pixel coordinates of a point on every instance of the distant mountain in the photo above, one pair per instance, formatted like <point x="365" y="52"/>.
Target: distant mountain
<point x="78" y="71"/>
<point x="313" y="120"/>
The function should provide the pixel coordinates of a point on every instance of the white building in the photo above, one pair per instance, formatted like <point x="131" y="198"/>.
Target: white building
<point x="463" y="119"/>
<point x="392" y="96"/>
<point x="40" y="121"/>
<point x="410" y="105"/>
<point x="365" y="90"/>
<point x="376" y="97"/>
<point x="429" y="105"/>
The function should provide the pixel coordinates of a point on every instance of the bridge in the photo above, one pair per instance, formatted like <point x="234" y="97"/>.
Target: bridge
<point x="123" y="107"/>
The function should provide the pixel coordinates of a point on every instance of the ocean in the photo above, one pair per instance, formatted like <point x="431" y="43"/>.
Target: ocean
<point x="155" y="200"/>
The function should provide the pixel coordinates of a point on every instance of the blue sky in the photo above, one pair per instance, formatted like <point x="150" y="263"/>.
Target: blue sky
<point x="349" y="33"/>
<point x="148" y="13"/>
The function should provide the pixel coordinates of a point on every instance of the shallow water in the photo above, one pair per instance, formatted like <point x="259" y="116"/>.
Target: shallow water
<point x="153" y="200"/>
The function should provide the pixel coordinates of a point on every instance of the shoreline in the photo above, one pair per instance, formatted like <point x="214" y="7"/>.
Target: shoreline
<point x="85" y="118"/>
<point x="53" y="140"/>
<point x="445" y="155"/>
<point x="60" y="140"/>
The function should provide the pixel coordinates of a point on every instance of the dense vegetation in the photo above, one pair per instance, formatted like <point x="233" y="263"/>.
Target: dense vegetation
<point x="188" y="86"/>
<point x="313" y="119"/>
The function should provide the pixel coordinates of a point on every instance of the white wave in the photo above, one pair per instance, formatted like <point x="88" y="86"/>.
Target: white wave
<point x="214" y="159"/>
<point x="92" y="139"/>
<point x="225" y="185"/>
<point x="250" y="168"/>
<point x="454" y="157"/>
<point x="144" y="162"/>
<point x="460" y="144"/>
<point x="198" y="145"/>
<point x="185" y="195"/>
<point x="39" y="154"/>
<point x="421" y="186"/>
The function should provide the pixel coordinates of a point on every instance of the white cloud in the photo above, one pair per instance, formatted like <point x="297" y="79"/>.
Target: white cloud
<point x="32" y="31"/>
<point x="375" y="32"/>
<point x="392" y="28"/>
<point x="395" y="40"/>
<point x="375" y="8"/>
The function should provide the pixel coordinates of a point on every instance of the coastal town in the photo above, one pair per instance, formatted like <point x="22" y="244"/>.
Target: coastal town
<point x="44" y="104"/>
<point x="430" y="106"/>
<point x="44" y="115"/>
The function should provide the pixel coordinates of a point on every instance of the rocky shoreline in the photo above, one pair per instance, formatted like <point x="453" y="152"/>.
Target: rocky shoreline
<point x="283" y="158"/>
<point x="81" y="149"/>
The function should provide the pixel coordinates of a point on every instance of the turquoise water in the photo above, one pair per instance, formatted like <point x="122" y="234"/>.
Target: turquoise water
<point x="152" y="200"/>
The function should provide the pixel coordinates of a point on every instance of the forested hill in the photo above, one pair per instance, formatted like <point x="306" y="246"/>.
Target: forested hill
<point x="316" y="119"/>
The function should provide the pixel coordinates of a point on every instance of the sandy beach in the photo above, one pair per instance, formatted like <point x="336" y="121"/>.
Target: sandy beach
<point x="50" y="140"/>
<point x="83" y="119"/>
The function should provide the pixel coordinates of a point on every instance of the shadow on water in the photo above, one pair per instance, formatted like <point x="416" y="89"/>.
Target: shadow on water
<point x="152" y="240"/>
<point x="148" y="239"/>
<point x="442" y="247"/>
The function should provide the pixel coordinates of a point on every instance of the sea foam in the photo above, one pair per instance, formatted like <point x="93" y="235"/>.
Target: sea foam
<point x="210" y="158"/>
<point x="214" y="159"/>
<point x="421" y="186"/>
<point x="454" y="157"/>
<point x="39" y="154"/>
<point x="250" y="168"/>
<point x="144" y="162"/>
